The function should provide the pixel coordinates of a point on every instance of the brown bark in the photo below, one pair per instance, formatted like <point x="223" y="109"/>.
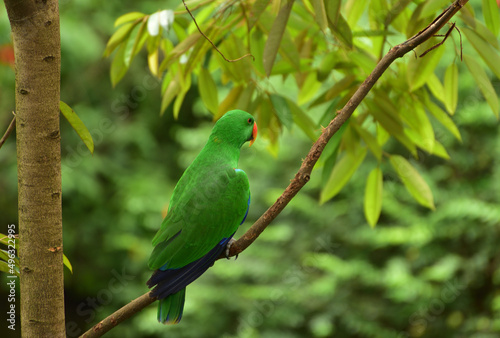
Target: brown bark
<point x="35" y="31"/>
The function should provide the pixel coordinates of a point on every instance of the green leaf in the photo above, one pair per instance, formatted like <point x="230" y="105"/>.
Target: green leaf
<point x="485" y="50"/>
<point x="373" y="196"/>
<point x="341" y="173"/>
<point x="443" y="118"/>
<point x="440" y="151"/>
<point x="118" y="66"/>
<point x="134" y="44"/>
<point x="309" y="89"/>
<point x="302" y="120"/>
<point x="258" y="7"/>
<point x="178" y="50"/>
<point x="128" y="17"/>
<point x="185" y="84"/>
<point x="172" y="90"/>
<point x="320" y="13"/>
<point x="413" y="113"/>
<point x="420" y="68"/>
<point x="229" y="102"/>
<point x="282" y="110"/>
<point x="67" y="263"/>
<point x="340" y="28"/>
<point x="275" y="35"/>
<point x="354" y="10"/>
<point x="4" y="239"/>
<point x="491" y="16"/>
<point x="412" y="180"/>
<point x="77" y="125"/>
<point x="483" y="82"/>
<point x="4" y="266"/>
<point x="370" y="141"/>
<point x="208" y="91"/>
<point x="435" y="87"/>
<point x="120" y="36"/>
<point x="434" y="7"/>
<point x="451" y="88"/>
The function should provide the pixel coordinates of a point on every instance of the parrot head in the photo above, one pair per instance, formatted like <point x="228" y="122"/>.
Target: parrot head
<point x="235" y="127"/>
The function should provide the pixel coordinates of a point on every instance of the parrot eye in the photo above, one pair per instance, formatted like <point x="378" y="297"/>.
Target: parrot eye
<point x="250" y="120"/>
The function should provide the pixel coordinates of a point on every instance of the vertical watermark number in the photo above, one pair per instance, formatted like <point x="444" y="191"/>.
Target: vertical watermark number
<point x="11" y="277"/>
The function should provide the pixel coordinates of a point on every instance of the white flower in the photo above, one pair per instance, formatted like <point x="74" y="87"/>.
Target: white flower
<point x="164" y="19"/>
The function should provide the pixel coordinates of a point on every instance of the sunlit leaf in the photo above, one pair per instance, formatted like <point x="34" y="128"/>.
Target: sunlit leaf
<point x="414" y="115"/>
<point x="451" y="88"/>
<point x="258" y="8"/>
<point x="302" y="120"/>
<point x="120" y="36"/>
<point x="77" y="125"/>
<point x="373" y="196"/>
<point x="483" y="82"/>
<point x="431" y="8"/>
<point x="420" y="68"/>
<point x="338" y="25"/>
<point x="477" y="26"/>
<point x="341" y="173"/>
<point x="128" y="17"/>
<point x="354" y="10"/>
<point x="491" y="16"/>
<point x="275" y="35"/>
<point x="412" y="180"/>
<point x="440" y="151"/>
<point x="185" y="84"/>
<point x="4" y="266"/>
<point x="118" y="66"/>
<point x="135" y="43"/>
<point x="179" y="50"/>
<point x="443" y="118"/>
<point x="320" y="13"/>
<point x="487" y="53"/>
<point x="341" y="30"/>
<point x="309" y="89"/>
<point x="229" y="101"/>
<point x="208" y="91"/>
<point x="282" y="110"/>
<point x="172" y="90"/>
<point x="370" y="141"/>
<point x="67" y="263"/>
<point x="5" y="240"/>
<point x="435" y="87"/>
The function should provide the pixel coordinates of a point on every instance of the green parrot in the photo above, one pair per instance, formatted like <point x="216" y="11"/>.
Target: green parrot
<point x="209" y="203"/>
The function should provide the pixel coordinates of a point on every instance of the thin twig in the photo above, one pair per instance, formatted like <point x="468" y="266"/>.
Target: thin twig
<point x="213" y="45"/>
<point x="304" y="173"/>
<point x="8" y="131"/>
<point x="442" y="41"/>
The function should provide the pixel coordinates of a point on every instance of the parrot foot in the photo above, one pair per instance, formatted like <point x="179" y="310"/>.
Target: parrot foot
<point x="228" y="247"/>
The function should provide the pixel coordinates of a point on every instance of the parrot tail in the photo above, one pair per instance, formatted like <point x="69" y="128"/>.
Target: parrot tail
<point x="170" y="308"/>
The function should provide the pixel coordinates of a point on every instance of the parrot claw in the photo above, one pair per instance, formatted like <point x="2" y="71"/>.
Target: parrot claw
<point x="228" y="247"/>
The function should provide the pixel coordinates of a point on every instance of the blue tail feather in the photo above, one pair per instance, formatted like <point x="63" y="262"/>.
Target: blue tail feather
<point x="169" y="285"/>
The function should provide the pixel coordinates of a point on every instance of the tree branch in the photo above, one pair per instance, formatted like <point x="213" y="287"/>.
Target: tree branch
<point x="119" y="316"/>
<point x="9" y="130"/>
<point x="304" y="173"/>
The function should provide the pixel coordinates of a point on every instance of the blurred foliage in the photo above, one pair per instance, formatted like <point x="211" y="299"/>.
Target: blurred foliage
<point x="318" y="270"/>
<point x="314" y="54"/>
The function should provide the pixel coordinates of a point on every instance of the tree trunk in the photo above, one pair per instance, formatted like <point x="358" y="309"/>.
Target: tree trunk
<point x="35" y="30"/>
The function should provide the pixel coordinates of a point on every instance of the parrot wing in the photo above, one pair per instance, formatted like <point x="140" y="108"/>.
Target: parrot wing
<point x="204" y="212"/>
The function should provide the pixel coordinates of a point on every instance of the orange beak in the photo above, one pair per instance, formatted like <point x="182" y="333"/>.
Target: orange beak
<point x="254" y="133"/>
